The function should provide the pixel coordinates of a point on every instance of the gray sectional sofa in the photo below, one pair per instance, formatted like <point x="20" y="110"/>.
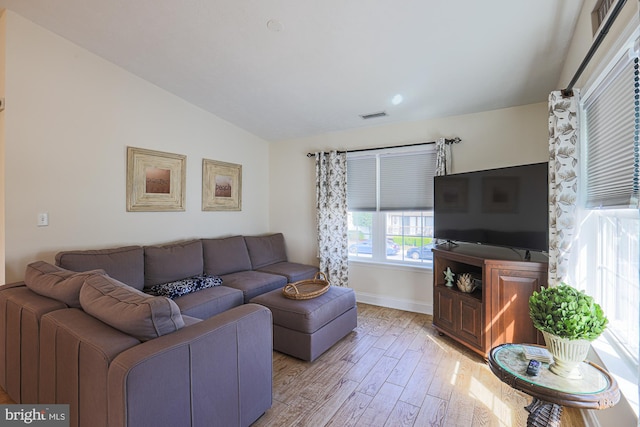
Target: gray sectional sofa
<point x="96" y="332"/>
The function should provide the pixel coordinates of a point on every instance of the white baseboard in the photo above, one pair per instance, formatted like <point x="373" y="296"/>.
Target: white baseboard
<point x="589" y="418"/>
<point x="389" y="302"/>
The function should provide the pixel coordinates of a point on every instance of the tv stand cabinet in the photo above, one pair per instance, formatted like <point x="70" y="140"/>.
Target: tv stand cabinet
<point x="496" y="313"/>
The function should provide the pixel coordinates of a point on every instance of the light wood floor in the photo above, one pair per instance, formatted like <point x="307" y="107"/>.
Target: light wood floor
<point x="392" y="370"/>
<point x="395" y="370"/>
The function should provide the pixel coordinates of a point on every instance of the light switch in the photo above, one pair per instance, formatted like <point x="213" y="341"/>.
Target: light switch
<point x="43" y="219"/>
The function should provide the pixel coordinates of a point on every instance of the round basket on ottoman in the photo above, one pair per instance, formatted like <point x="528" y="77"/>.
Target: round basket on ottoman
<point x="306" y="328"/>
<point x="307" y="289"/>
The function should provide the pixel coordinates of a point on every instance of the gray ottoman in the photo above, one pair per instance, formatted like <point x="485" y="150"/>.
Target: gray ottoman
<point x="307" y="328"/>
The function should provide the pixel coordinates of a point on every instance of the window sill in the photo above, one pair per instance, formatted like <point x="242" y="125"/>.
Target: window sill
<point x="409" y="266"/>
<point x="604" y="354"/>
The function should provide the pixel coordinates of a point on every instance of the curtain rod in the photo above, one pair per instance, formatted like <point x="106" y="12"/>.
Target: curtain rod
<point x="568" y="91"/>
<point x="446" y="141"/>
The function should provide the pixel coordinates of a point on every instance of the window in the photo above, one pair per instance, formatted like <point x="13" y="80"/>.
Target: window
<point x="390" y="202"/>
<point x="608" y="250"/>
<point x="600" y="13"/>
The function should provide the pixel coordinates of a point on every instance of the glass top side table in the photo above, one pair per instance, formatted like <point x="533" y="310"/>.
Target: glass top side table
<point x="595" y="390"/>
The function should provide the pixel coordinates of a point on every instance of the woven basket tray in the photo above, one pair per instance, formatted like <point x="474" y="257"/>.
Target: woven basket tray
<point x="307" y="289"/>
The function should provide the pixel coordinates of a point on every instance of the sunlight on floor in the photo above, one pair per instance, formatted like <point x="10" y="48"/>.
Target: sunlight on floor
<point x="495" y="404"/>
<point x="454" y="375"/>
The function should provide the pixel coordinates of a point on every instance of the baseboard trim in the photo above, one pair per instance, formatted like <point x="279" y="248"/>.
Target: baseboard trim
<point x="399" y="304"/>
<point x="589" y="418"/>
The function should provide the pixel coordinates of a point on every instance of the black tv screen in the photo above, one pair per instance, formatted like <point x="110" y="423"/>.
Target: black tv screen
<point x="500" y="207"/>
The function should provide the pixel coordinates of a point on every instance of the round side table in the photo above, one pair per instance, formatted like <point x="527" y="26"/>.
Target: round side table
<point x="595" y="390"/>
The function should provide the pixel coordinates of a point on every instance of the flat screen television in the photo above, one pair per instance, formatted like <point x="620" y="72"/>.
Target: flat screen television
<point x="498" y="207"/>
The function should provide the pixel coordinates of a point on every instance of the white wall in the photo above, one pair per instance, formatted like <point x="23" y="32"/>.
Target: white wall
<point x="490" y="139"/>
<point x="70" y="116"/>
<point x="2" y="162"/>
<point x="583" y="38"/>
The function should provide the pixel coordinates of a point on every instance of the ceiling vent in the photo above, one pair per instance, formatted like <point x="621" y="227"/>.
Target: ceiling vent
<point x="373" y="115"/>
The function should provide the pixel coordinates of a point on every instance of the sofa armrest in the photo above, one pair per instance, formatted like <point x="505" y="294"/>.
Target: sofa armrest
<point x="215" y="372"/>
<point x="20" y="311"/>
<point x="76" y="351"/>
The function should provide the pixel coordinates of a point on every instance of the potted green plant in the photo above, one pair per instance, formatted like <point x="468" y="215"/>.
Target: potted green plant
<point x="569" y="320"/>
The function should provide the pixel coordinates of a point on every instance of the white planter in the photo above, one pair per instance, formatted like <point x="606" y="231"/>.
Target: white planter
<point x="567" y="354"/>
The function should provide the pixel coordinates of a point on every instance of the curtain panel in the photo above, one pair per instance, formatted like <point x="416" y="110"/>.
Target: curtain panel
<point x="331" y="216"/>
<point x="443" y="157"/>
<point x="563" y="181"/>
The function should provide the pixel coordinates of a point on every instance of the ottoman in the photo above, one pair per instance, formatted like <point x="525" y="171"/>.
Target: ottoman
<point x="307" y="328"/>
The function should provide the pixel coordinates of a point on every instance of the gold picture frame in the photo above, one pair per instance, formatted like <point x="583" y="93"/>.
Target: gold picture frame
<point x="221" y="186"/>
<point x="155" y="181"/>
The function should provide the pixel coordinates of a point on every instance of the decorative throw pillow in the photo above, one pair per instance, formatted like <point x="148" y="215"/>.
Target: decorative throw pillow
<point x="54" y="282"/>
<point x="182" y="287"/>
<point x="128" y="309"/>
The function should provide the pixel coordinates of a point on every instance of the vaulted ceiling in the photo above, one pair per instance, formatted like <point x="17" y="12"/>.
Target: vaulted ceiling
<point x="285" y="69"/>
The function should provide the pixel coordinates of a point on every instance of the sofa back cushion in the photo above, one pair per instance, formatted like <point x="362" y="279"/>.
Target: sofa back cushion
<point x="266" y="250"/>
<point x="168" y="263"/>
<point x="54" y="282"/>
<point x="225" y="256"/>
<point x="129" y="310"/>
<point x="125" y="264"/>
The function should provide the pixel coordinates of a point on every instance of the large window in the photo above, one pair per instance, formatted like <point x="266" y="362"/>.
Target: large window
<point x="390" y="202"/>
<point x="608" y="250"/>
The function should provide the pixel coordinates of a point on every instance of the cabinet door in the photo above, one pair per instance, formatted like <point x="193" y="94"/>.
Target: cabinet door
<point x="510" y="292"/>
<point x="470" y="312"/>
<point x="444" y="313"/>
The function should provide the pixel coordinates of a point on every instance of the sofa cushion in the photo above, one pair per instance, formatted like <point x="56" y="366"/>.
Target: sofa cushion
<point x="125" y="264"/>
<point x="266" y="250"/>
<point x="54" y="282"/>
<point x="225" y="256"/>
<point x="168" y="263"/>
<point x="129" y="310"/>
<point x="253" y="283"/>
<point x="184" y="286"/>
<point x="293" y="271"/>
<point x="209" y="302"/>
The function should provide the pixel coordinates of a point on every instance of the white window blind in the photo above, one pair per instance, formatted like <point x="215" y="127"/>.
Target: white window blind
<point x="391" y="181"/>
<point x="612" y="126"/>
<point x="361" y="184"/>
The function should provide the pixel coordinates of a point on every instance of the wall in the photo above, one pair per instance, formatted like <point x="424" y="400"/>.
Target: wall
<point x="70" y="116"/>
<point x="2" y="162"/>
<point x="491" y="139"/>
<point x="583" y="38"/>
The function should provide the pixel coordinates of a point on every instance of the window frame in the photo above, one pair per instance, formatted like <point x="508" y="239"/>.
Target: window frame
<point x="380" y="227"/>
<point x="607" y="349"/>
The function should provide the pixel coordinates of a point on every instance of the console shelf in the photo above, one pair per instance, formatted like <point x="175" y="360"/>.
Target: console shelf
<point x="498" y="312"/>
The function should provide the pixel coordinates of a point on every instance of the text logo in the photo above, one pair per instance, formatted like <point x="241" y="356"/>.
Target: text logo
<point x="34" y="415"/>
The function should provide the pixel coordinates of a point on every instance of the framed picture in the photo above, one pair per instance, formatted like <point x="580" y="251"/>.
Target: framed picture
<point x="500" y="194"/>
<point x="221" y="186"/>
<point x="155" y="181"/>
<point x="454" y="195"/>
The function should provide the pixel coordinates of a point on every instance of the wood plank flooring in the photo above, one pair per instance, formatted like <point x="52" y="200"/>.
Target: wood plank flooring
<point x="395" y="370"/>
<point x="392" y="370"/>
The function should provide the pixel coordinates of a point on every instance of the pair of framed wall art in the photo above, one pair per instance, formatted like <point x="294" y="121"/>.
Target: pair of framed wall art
<point x="156" y="182"/>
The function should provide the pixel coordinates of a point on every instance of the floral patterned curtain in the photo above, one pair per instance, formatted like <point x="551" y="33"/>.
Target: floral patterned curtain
<point x="443" y="157"/>
<point x="331" y="205"/>
<point x="563" y="181"/>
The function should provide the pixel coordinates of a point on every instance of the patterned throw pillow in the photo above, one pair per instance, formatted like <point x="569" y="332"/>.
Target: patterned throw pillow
<point x="185" y="286"/>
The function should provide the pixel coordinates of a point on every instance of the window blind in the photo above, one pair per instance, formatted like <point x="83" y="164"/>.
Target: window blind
<point x="612" y="126"/>
<point x="361" y="184"/>
<point x="391" y="181"/>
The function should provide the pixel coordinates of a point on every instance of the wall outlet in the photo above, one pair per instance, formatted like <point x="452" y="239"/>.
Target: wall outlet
<point x="43" y="219"/>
